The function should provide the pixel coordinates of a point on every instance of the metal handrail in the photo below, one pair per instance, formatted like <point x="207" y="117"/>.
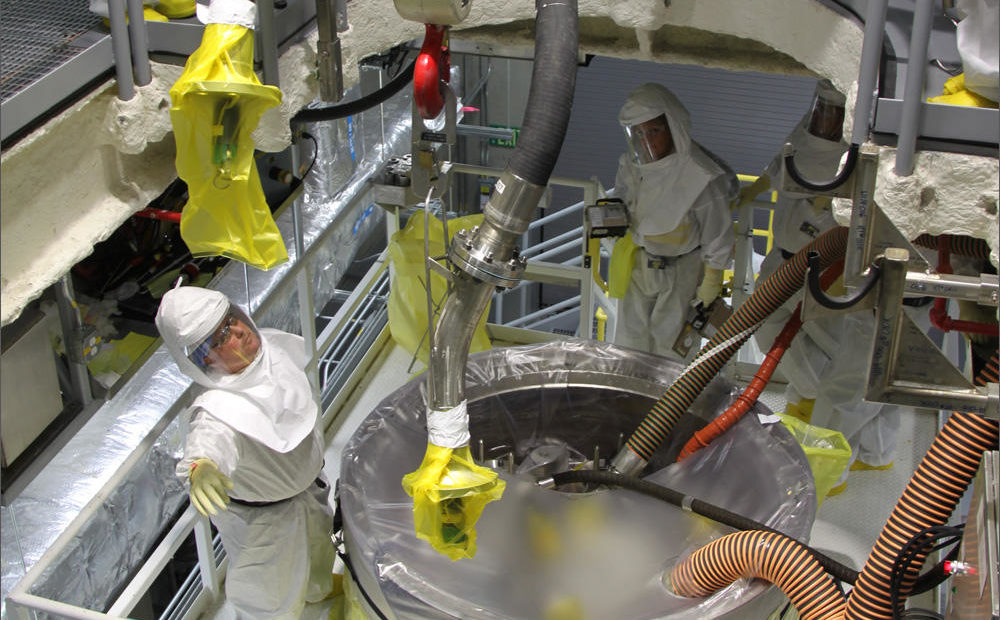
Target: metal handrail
<point x="22" y="601"/>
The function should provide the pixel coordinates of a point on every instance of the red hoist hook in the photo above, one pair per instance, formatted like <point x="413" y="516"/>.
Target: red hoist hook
<point x="432" y="71"/>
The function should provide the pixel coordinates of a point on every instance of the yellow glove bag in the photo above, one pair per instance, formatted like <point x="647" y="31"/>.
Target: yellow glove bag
<point x="449" y="494"/>
<point x="209" y="487"/>
<point x="620" y="266"/>
<point x="407" y="305"/>
<point x="217" y="103"/>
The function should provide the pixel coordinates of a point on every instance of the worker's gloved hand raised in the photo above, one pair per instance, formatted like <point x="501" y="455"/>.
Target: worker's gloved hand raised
<point x="711" y="286"/>
<point x="208" y="487"/>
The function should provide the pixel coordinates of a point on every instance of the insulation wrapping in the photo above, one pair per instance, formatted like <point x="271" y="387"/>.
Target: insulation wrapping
<point x="539" y="549"/>
<point x="114" y="541"/>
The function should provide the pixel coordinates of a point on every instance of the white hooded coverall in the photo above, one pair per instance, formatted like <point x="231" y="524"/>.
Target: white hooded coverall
<point x="679" y="217"/>
<point x="826" y="361"/>
<point x="260" y="427"/>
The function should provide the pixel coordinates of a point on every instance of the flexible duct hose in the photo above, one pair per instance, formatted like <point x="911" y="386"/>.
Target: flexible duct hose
<point x="676" y="498"/>
<point x="746" y="400"/>
<point x="774" y="292"/>
<point x="775" y="557"/>
<point x="928" y="500"/>
<point x="550" y="99"/>
<point x="957" y="244"/>
<point x="551" y="94"/>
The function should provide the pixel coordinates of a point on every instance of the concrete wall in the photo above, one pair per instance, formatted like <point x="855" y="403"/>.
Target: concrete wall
<point x="71" y="183"/>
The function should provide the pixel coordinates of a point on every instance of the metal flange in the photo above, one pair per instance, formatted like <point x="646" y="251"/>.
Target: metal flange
<point x="480" y="263"/>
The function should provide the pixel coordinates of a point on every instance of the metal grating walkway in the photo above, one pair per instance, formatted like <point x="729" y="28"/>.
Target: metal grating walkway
<point x="37" y="36"/>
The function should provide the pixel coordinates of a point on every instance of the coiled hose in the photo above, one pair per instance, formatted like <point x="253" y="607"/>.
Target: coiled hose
<point x="746" y="400"/>
<point x="700" y="507"/>
<point x="780" y="560"/>
<point x="551" y="95"/>
<point x="928" y="500"/>
<point x="957" y="244"/>
<point x="774" y="292"/>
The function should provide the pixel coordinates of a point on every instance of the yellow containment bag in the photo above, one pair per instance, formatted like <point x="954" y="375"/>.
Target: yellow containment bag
<point x="826" y="450"/>
<point x="408" y="298"/>
<point x="620" y="266"/>
<point x="217" y="103"/>
<point x="449" y="494"/>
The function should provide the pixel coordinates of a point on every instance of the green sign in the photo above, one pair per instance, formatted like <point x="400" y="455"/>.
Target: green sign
<point x="505" y="143"/>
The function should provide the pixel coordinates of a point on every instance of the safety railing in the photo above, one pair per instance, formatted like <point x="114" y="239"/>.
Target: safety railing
<point x="568" y="273"/>
<point x="335" y="344"/>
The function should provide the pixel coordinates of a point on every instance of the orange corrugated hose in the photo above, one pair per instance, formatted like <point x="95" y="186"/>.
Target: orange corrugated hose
<point x="770" y="294"/>
<point x="746" y="400"/>
<point x="781" y="560"/>
<point x="928" y="500"/>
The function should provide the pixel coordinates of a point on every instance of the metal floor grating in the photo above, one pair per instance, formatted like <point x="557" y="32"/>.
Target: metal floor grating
<point x="36" y="36"/>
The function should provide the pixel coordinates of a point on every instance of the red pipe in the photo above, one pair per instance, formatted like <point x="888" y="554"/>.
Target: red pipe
<point x="939" y="311"/>
<point x="746" y="400"/>
<point x="433" y="67"/>
<point x="159" y="214"/>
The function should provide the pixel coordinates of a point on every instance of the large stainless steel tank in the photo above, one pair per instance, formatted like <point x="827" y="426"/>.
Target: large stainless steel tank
<point x="551" y="554"/>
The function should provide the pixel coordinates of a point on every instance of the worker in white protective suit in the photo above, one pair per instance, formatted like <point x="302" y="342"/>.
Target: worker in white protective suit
<point x="978" y="41"/>
<point x="253" y="452"/>
<point x="677" y="195"/>
<point x="826" y="364"/>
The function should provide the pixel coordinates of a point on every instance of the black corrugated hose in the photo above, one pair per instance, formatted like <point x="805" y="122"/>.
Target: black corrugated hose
<point x="550" y="101"/>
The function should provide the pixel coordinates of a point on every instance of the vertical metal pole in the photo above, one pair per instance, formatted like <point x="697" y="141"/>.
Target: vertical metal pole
<point x="268" y="48"/>
<point x="871" y="51"/>
<point x="246" y="284"/>
<point x="328" y="52"/>
<point x="206" y="555"/>
<point x="888" y="324"/>
<point x="913" y="105"/>
<point x="307" y="314"/>
<point x="120" y="49"/>
<point x="856" y="257"/>
<point x="587" y="281"/>
<point x="69" y="317"/>
<point x="139" y="39"/>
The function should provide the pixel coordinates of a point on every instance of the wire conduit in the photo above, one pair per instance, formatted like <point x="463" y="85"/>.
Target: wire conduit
<point x="746" y="400"/>
<point x="774" y="292"/>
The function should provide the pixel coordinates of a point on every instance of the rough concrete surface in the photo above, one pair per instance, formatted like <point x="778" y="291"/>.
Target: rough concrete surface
<point x="75" y="180"/>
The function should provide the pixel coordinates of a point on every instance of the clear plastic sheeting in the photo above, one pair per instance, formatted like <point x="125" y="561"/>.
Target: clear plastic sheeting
<point x="131" y="443"/>
<point x="545" y="553"/>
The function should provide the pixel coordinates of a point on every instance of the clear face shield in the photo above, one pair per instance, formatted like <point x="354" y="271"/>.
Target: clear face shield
<point x="827" y="117"/>
<point x="651" y="140"/>
<point x="230" y="348"/>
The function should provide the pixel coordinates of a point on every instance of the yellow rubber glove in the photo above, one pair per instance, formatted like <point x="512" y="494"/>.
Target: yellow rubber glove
<point x="208" y="487"/>
<point x="711" y="285"/>
<point x="748" y="193"/>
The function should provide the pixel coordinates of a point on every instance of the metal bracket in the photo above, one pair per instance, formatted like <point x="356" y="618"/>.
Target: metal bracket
<point x="438" y="268"/>
<point x="906" y="367"/>
<point x="428" y="167"/>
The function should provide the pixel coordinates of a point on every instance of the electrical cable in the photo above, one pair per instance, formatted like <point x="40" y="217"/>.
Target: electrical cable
<point x="835" y="569"/>
<point x="306" y="134"/>
<point x="350" y="568"/>
<point x="342" y="110"/>
<point x="915" y="550"/>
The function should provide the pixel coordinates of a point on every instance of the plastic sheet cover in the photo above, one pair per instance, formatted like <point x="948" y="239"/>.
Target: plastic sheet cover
<point x="541" y="552"/>
<point x="143" y="494"/>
